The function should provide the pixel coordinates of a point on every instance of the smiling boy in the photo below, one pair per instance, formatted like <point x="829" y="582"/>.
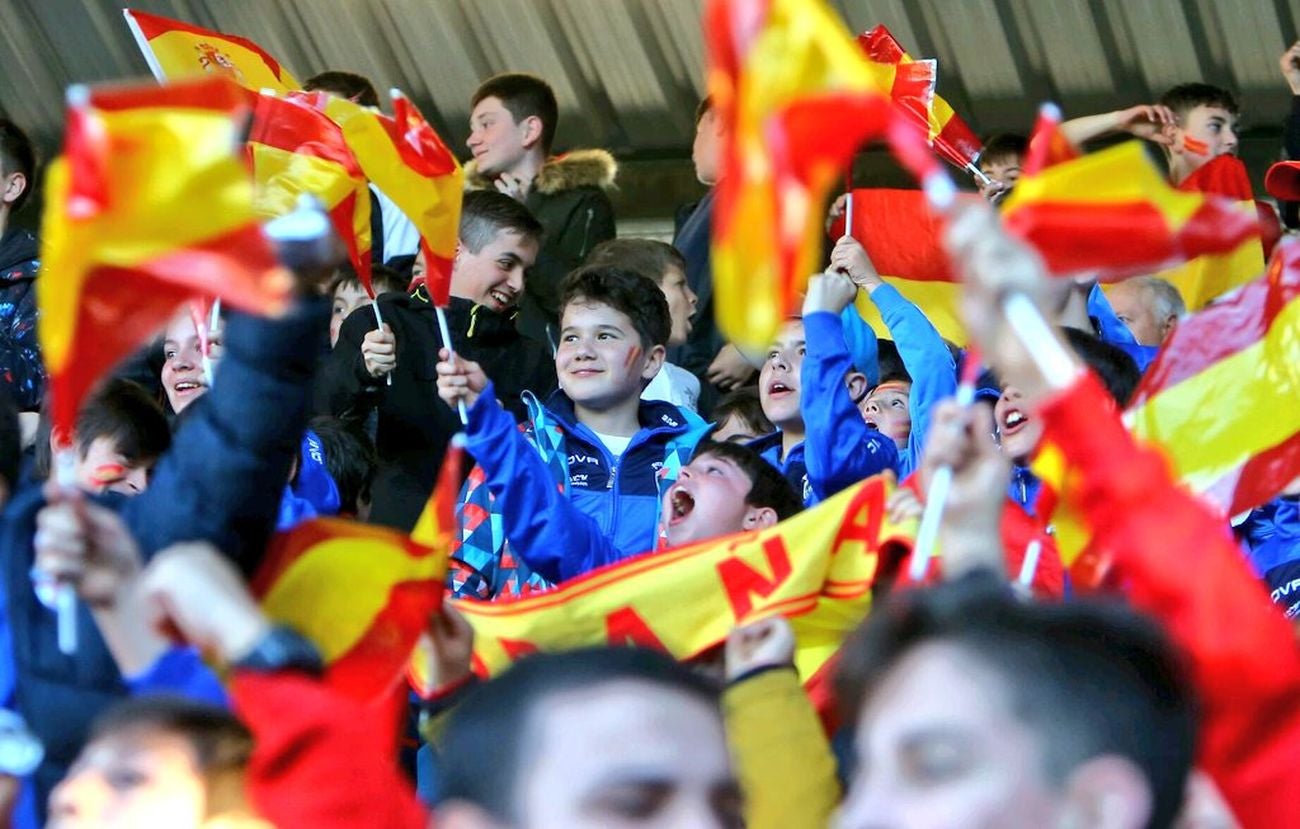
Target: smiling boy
<point x="595" y="440"/>
<point x="498" y="241"/>
<point x="512" y="125"/>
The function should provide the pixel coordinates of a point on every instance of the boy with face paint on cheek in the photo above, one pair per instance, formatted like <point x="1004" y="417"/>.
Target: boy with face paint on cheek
<point x="610" y="453"/>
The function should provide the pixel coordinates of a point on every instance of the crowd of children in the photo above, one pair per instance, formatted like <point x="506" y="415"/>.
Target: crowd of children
<point x="607" y="418"/>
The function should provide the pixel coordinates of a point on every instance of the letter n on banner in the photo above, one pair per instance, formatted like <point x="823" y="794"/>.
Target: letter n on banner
<point x="743" y="582"/>
<point x="625" y="626"/>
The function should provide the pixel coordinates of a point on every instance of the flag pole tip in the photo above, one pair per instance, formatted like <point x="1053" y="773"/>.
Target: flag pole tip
<point x="1050" y="110"/>
<point x="459" y="440"/>
<point x="78" y="95"/>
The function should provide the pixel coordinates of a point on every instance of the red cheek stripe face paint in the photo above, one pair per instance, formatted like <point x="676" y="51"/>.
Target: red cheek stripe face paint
<point x="633" y="355"/>
<point x="1193" y="146"/>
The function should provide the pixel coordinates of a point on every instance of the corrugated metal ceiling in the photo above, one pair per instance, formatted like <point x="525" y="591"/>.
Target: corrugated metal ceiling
<point x="628" y="73"/>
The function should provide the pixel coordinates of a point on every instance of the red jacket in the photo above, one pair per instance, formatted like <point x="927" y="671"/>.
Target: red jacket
<point x="321" y="759"/>
<point x="1175" y="560"/>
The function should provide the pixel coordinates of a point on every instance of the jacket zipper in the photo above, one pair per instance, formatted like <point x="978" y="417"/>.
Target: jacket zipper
<point x="586" y="231"/>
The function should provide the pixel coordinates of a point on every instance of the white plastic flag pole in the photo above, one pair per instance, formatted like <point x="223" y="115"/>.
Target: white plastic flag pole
<point x="451" y="350"/>
<point x="65" y="595"/>
<point x="1029" y="566"/>
<point x="848" y="213"/>
<point x="379" y="320"/>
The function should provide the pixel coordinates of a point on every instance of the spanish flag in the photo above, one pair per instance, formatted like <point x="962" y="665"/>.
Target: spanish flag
<point x="363" y="594"/>
<point x="293" y="148"/>
<point x="407" y="160"/>
<point x="149" y="206"/>
<point x="798" y="98"/>
<point x="903" y="236"/>
<point x="1111" y="214"/>
<point x="1048" y="146"/>
<point x="1207" y="277"/>
<point x="894" y="67"/>
<point x="177" y="51"/>
<point x="1222" y="398"/>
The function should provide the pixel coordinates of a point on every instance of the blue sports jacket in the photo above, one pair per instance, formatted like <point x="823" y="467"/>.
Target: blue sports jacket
<point x="527" y="475"/>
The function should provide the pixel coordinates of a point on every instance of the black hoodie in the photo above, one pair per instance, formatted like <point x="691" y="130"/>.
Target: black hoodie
<point x="21" y="370"/>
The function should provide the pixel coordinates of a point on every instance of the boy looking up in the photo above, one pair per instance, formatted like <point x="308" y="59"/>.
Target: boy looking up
<point x="808" y="387"/>
<point x="498" y="240"/>
<point x="512" y="128"/>
<point x="1000" y="161"/>
<point x="348" y="294"/>
<point x="900" y="405"/>
<point x="595" y="439"/>
<point x="663" y="265"/>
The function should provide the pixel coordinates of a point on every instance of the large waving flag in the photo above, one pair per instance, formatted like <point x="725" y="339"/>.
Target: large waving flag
<point x="175" y="51"/>
<point x="947" y="132"/>
<point x="1222" y="398"/>
<point x="1112" y="215"/>
<point x="903" y="236"/>
<point x="816" y="568"/>
<point x="294" y="149"/>
<point x="363" y="594"/>
<point x="799" y="98"/>
<point x="406" y="159"/>
<point x="148" y="206"/>
<point x="1211" y="275"/>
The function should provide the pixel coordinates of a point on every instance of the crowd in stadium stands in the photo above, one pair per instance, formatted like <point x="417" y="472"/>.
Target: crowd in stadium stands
<point x="607" y="417"/>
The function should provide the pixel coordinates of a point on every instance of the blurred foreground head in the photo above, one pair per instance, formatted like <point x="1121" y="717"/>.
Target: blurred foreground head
<point x="590" y="738"/>
<point x="975" y="709"/>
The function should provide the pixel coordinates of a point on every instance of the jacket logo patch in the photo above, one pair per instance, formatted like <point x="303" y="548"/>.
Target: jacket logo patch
<point x="666" y="418"/>
<point x="575" y="459"/>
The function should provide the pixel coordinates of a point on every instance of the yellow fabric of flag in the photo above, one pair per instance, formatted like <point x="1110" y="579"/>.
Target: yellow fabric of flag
<point x="176" y="50"/>
<point x="816" y="568"/>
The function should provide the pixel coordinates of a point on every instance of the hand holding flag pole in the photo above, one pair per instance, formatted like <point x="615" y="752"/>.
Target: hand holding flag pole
<point x="441" y="313"/>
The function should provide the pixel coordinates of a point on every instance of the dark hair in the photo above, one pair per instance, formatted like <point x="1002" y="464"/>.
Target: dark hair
<point x="1004" y="146"/>
<point x="768" y="487"/>
<point x="525" y="96"/>
<point x="485" y="213"/>
<point x="350" y="459"/>
<point x="348" y="85"/>
<point x="892" y="369"/>
<point x="624" y="291"/>
<point x="1088" y="678"/>
<point x="222" y="745"/>
<point x="703" y="108"/>
<point x="648" y="257"/>
<point x="121" y="411"/>
<point x="1185" y="97"/>
<point x="483" y="746"/>
<point x="745" y="404"/>
<point x="11" y="445"/>
<point x="382" y="278"/>
<point x="1117" y="370"/>
<point x="17" y="155"/>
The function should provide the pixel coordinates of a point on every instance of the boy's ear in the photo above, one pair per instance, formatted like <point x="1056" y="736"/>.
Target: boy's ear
<point x="760" y="518"/>
<point x="532" y="126"/>
<point x="14" y="186"/>
<point x="653" y="361"/>
<point x="857" y="383"/>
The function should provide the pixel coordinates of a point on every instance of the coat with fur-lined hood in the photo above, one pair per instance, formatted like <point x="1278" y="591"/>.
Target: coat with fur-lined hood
<point x="569" y="198"/>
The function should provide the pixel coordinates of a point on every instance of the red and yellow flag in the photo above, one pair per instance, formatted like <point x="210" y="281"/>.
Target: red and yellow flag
<point x="894" y="68"/>
<point x="148" y="206"/>
<point x="1048" y="146"/>
<point x="407" y="160"/>
<point x="816" y="568"/>
<point x="1211" y="275"/>
<point x="1222" y="398"/>
<point x="176" y="51"/>
<point x="294" y="148"/>
<point x="798" y="98"/>
<point x="903" y="236"/>
<point x="363" y="594"/>
<point x="1111" y="214"/>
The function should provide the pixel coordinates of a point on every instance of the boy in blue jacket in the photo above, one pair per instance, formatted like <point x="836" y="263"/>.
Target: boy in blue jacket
<point x="900" y="406"/>
<point x="810" y="387"/>
<point x="594" y="440"/>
